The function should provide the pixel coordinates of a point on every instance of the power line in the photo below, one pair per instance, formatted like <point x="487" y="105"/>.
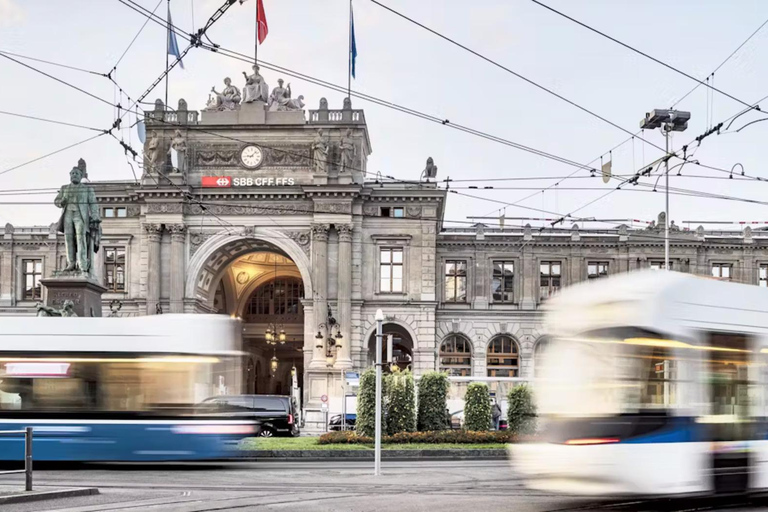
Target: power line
<point x="654" y="59"/>
<point x="510" y="71"/>
<point x="52" y="153"/>
<point x="51" y="121"/>
<point x="136" y="36"/>
<point x="52" y="63"/>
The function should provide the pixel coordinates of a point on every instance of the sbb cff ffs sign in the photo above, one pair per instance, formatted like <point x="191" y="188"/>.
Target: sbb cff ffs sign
<point x="229" y="181"/>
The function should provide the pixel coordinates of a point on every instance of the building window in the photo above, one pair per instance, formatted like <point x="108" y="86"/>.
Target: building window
<point x="721" y="271"/>
<point x="114" y="268"/>
<point x="659" y="265"/>
<point x="549" y="282"/>
<point x="391" y="270"/>
<point x="456" y="356"/>
<point x="455" y="281"/>
<point x="281" y="296"/>
<point x="597" y="269"/>
<point x="398" y="212"/>
<point x="503" y="283"/>
<point x="109" y="213"/>
<point x="120" y="212"/>
<point x="33" y="271"/>
<point x="762" y="277"/>
<point x="503" y="359"/>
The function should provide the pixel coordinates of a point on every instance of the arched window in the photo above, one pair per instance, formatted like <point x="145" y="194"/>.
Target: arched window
<point x="539" y="350"/>
<point x="456" y="356"/>
<point x="281" y="296"/>
<point x="503" y="359"/>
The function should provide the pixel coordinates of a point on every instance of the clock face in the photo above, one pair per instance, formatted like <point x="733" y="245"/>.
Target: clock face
<point x="251" y="156"/>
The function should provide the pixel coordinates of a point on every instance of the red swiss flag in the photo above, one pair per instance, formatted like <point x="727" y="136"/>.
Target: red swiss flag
<point x="217" y="181"/>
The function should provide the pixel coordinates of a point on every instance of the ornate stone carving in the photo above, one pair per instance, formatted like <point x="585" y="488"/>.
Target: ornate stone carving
<point x="345" y="232"/>
<point x="9" y="229"/>
<point x="280" y="99"/>
<point x="346" y="152"/>
<point x="67" y="310"/>
<point x="198" y="239"/>
<point x="413" y="211"/>
<point x="347" y="103"/>
<point x="333" y="207"/>
<point x="320" y="232"/>
<point x="270" y="209"/>
<point x="225" y="155"/>
<point x="256" y="88"/>
<point x="182" y="105"/>
<point x="133" y="211"/>
<point x="165" y="208"/>
<point x="369" y="211"/>
<point x="154" y="231"/>
<point x="228" y="99"/>
<point x="747" y="234"/>
<point x="320" y="153"/>
<point x="527" y="235"/>
<point x="178" y="152"/>
<point x="177" y="232"/>
<point x="323" y="104"/>
<point x="249" y="231"/>
<point x="302" y="239"/>
<point x="152" y="153"/>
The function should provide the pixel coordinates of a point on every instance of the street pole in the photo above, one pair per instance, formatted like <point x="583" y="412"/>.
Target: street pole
<point x="379" y="336"/>
<point x="666" y="196"/>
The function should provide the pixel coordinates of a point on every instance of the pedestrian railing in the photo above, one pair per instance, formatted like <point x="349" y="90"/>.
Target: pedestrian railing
<point x="27" y="456"/>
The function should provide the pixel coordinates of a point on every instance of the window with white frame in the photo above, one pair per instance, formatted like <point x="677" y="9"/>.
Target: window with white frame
<point x="503" y="357"/>
<point x="597" y="269"/>
<point x="32" y="273"/>
<point x="503" y="281"/>
<point x="391" y="269"/>
<point x="455" y="281"/>
<point x="722" y="271"/>
<point x="549" y="279"/>
<point x="114" y="268"/>
<point x="456" y="356"/>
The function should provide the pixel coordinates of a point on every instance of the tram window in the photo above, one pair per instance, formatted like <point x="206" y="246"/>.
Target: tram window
<point x="269" y="404"/>
<point x="728" y="373"/>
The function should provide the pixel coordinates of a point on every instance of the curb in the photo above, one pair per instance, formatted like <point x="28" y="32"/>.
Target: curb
<point x="48" y="495"/>
<point x="493" y="454"/>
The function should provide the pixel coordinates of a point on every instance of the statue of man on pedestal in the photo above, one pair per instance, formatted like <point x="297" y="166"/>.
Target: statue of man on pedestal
<point x="80" y="221"/>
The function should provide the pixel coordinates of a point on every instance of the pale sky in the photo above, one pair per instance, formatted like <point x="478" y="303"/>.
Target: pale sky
<point x="402" y="63"/>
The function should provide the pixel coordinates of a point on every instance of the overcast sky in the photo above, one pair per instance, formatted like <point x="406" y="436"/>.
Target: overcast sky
<point x="401" y="63"/>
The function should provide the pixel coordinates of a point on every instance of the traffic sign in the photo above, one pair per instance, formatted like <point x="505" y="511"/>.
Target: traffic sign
<point x="324" y="398"/>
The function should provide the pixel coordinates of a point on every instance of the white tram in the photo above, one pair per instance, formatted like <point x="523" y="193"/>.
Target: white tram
<point x="654" y="384"/>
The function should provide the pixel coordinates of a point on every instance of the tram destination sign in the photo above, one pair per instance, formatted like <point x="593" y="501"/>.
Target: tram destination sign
<point x="230" y="182"/>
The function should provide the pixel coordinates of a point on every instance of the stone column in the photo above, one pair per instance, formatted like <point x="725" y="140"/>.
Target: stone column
<point x="344" y="355"/>
<point x="178" y="237"/>
<point x="320" y="270"/>
<point x="154" y="233"/>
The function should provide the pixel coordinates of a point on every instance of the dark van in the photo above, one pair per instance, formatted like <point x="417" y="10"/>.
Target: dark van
<point x="275" y="413"/>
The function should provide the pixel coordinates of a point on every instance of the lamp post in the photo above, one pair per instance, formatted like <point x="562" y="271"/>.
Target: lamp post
<point x="333" y="342"/>
<point x="668" y="121"/>
<point x="379" y="336"/>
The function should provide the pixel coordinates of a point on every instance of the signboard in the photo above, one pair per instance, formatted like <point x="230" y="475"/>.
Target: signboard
<point x="352" y="378"/>
<point x="230" y="182"/>
<point x="324" y="399"/>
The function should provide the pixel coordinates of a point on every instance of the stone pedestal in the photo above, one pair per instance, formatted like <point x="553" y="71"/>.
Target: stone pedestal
<point x="83" y="290"/>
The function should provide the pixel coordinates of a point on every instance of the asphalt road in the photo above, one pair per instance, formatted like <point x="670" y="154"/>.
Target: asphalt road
<point x="476" y="486"/>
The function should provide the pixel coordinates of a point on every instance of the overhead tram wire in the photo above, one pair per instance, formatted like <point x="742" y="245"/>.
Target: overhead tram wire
<point x="135" y="37"/>
<point x="5" y="52"/>
<point x="516" y="74"/>
<point x="52" y="153"/>
<point x="51" y="121"/>
<point x="639" y="52"/>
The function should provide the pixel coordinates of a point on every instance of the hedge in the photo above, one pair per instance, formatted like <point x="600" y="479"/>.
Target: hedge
<point x="366" y="403"/>
<point x="433" y="393"/>
<point x="401" y="402"/>
<point x="477" y="407"/>
<point x="521" y="410"/>
<point x="434" y="437"/>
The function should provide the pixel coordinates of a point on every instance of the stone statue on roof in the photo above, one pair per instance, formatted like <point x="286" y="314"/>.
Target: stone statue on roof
<point x="256" y="88"/>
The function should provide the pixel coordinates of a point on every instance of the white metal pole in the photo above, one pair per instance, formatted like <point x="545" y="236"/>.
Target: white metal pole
<point x="666" y="196"/>
<point x="379" y="336"/>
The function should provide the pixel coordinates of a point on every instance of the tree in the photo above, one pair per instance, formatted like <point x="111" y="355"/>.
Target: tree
<point x="521" y="410"/>
<point x="433" y="393"/>
<point x="401" y="402"/>
<point x="477" y="407"/>
<point x="365" y="424"/>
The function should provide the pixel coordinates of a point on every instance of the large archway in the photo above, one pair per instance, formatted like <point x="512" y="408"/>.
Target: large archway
<point x="402" y="346"/>
<point x="262" y="281"/>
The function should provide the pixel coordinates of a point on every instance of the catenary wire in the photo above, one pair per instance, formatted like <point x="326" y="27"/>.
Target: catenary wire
<point x="51" y="121"/>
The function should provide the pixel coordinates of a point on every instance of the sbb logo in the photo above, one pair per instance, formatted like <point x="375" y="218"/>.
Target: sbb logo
<point x="217" y="181"/>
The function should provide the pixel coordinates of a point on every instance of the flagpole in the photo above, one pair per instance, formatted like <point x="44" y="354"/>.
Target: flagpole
<point x="349" y="51"/>
<point x="167" y="44"/>
<point x="256" y="42"/>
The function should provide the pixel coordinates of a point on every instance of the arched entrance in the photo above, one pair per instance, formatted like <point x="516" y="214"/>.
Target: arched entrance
<point x="402" y="346"/>
<point x="262" y="281"/>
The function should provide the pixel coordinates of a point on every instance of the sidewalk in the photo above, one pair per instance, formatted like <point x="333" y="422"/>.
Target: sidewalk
<point x="16" y="493"/>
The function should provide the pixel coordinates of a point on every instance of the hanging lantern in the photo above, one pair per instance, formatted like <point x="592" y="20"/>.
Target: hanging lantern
<point x="319" y="338"/>
<point x="282" y="336"/>
<point x="268" y="335"/>
<point x="273" y="363"/>
<point x="293" y="371"/>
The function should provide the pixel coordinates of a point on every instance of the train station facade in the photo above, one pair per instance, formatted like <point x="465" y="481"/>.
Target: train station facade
<point x="271" y="216"/>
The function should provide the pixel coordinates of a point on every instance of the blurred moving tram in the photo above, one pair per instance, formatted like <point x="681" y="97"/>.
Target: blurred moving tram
<point x="119" y="389"/>
<point x="654" y="384"/>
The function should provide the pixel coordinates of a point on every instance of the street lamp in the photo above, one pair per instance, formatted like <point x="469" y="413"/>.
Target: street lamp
<point x="379" y="336"/>
<point x="668" y="121"/>
<point x="333" y="342"/>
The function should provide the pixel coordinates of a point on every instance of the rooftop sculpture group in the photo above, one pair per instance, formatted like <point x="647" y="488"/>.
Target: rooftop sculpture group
<point x="255" y="89"/>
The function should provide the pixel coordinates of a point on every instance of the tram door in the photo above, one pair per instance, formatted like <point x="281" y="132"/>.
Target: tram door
<point x="730" y="423"/>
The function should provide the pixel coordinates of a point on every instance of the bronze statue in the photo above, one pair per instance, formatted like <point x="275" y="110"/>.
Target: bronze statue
<point x="68" y="310"/>
<point x="80" y="221"/>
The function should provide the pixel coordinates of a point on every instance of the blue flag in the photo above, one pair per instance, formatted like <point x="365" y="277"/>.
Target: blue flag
<point x="173" y="45"/>
<point x="353" y="46"/>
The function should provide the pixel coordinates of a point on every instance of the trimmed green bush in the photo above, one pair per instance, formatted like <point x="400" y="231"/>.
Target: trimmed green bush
<point x="401" y="402"/>
<point x="477" y="407"/>
<point x="438" y="437"/>
<point x="433" y="393"/>
<point x="365" y="424"/>
<point x="521" y="410"/>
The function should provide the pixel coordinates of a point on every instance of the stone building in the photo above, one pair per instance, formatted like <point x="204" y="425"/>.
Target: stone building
<point x="270" y="215"/>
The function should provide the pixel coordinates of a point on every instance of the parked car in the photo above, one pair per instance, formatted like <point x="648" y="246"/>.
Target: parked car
<point x="275" y="413"/>
<point x="335" y="422"/>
